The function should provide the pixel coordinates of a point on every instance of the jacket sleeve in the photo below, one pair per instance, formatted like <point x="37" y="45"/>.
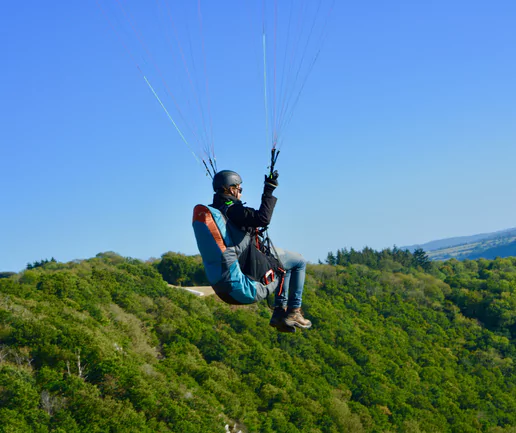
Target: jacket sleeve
<point x="244" y="216"/>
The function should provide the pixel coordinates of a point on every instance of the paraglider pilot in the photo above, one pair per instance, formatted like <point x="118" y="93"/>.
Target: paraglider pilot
<point x="287" y="313"/>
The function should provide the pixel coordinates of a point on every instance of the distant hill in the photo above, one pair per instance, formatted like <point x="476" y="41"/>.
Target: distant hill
<point x="460" y="240"/>
<point x="486" y="249"/>
<point x="486" y="245"/>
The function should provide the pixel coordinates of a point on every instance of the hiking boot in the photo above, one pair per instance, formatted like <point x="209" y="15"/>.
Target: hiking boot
<point x="278" y="320"/>
<point x="295" y="318"/>
<point x="278" y="316"/>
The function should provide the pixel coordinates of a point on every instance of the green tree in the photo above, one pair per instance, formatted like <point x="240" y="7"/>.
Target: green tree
<point x="420" y="258"/>
<point x="182" y="270"/>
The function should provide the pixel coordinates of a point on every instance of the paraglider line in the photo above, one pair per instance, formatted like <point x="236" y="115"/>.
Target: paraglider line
<point x="265" y="88"/>
<point x="170" y="117"/>
<point x="213" y="166"/>
<point x="167" y="89"/>
<point x="288" y="113"/>
<point x="185" y="65"/>
<point x="274" y="157"/>
<point x="290" y="86"/>
<point x="275" y="49"/>
<point x="207" y="169"/>
<point x="206" y="78"/>
<point x="281" y="87"/>
<point x="146" y="80"/>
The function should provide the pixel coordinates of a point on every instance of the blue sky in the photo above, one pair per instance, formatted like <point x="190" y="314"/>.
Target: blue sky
<point x="404" y="133"/>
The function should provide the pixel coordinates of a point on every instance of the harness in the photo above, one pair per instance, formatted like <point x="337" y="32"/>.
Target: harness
<point x="240" y="266"/>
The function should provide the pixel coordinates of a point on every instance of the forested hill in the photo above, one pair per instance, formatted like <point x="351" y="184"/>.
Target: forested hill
<point x="106" y="344"/>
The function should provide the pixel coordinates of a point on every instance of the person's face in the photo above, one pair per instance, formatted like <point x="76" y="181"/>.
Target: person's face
<point x="236" y="191"/>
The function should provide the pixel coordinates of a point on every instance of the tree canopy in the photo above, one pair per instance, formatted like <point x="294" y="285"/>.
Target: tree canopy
<point x="105" y="344"/>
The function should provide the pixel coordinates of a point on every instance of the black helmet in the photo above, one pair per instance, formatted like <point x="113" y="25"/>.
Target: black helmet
<point x="226" y="178"/>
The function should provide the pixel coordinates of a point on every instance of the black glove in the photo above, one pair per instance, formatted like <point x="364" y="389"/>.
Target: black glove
<point x="272" y="179"/>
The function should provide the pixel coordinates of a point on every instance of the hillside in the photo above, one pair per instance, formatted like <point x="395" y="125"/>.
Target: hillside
<point x="488" y="249"/>
<point x="486" y="245"/>
<point x="106" y="344"/>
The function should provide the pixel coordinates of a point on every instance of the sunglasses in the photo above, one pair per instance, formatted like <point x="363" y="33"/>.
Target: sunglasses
<point x="238" y="188"/>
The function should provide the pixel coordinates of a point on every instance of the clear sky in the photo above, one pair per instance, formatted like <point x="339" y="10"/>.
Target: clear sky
<point x="405" y="131"/>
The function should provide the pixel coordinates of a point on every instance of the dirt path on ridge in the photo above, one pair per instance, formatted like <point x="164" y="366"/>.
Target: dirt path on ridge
<point x="197" y="290"/>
